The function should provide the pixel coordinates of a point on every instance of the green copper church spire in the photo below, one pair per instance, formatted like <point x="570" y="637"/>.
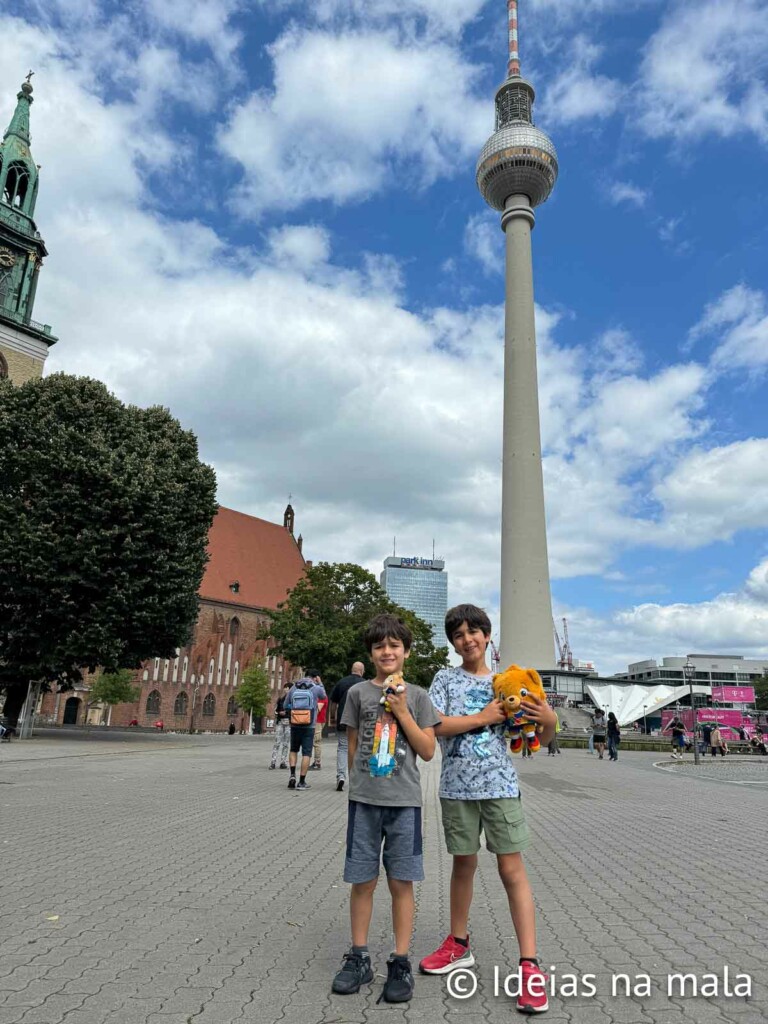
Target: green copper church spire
<point x="20" y="121"/>
<point x="23" y="342"/>
<point x="18" y="171"/>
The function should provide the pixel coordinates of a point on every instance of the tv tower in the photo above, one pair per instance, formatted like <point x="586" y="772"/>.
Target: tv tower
<point x="517" y="171"/>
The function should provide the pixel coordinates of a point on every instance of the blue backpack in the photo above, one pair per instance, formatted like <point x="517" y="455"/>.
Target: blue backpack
<point x="303" y="704"/>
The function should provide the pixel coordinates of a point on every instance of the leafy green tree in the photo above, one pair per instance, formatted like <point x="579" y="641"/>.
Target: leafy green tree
<point x="322" y="621"/>
<point x="113" y="688"/>
<point x="253" y="691"/>
<point x="104" y="518"/>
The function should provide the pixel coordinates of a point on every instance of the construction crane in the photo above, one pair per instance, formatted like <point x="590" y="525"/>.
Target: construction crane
<point x="495" y="656"/>
<point x="565" y="655"/>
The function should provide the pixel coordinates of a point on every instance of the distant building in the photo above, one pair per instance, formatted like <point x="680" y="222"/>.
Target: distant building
<point x="421" y="586"/>
<point x="253" y="565"/>
<point x="710" y="670"/>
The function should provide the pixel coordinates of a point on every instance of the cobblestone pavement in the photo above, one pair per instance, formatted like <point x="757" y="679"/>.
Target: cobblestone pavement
<point x="175" y="880"/>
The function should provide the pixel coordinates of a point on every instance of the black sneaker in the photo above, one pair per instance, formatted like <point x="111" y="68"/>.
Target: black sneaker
<point x="271" y="767"/>
<point x="355" y="971"/>
<point x="303" y="785"/>
<point x="339" y="785"/>
<point x="291" y="783"/>
<point x="314" y="767"/>
<point x="283" y="765"/>
<point x="398" y="988"/>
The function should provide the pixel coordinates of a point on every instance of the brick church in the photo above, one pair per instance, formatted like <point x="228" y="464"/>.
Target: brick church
<point x="252" y="566"/>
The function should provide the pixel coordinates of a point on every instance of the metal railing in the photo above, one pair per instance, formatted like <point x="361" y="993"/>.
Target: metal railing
<point x="12" y="314"/>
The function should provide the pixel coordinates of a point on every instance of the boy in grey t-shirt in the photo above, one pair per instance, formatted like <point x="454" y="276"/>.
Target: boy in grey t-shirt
<point x="385" y="804"/>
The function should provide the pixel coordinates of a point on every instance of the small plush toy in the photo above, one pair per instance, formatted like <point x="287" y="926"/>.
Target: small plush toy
<point x="392" y="684"/>
<point x="511" y="687"/>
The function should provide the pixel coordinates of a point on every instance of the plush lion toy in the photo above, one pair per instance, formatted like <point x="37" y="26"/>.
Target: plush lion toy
<point x="510" y="687"/>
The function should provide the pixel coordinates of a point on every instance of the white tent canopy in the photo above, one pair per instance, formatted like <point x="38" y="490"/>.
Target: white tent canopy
<point x="627" y="701"/>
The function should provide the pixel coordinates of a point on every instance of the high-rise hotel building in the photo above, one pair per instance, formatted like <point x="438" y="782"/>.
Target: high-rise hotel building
<point x="421" y="586"/>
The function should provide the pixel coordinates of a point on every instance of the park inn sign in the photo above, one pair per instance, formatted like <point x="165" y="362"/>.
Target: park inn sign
<point x="415" y="563"/>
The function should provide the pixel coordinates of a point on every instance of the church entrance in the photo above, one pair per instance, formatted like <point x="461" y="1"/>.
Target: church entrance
<point x="71" y="710"/>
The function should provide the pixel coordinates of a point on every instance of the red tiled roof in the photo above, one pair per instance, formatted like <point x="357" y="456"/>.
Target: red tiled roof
<point x="262" y="557"/>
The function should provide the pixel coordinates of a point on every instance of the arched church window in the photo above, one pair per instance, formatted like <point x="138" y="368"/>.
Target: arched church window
<point x="153" y="703"/>
<point x="180" y="704"/>
<point x="3" y="367"/>
<point x="209" y="705"/>
<point x="231" y="706"/>
<point x="234" y="627"/>
<point x="16" y="185"/>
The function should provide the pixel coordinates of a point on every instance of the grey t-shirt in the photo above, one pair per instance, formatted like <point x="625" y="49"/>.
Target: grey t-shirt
<point x="384" y="770"/>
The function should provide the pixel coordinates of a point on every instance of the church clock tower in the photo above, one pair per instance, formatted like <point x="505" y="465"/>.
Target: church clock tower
<point x="24" y="343"/>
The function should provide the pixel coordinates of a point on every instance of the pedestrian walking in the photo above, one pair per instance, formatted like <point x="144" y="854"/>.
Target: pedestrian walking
<point x="716" y="742"/>
<point x="677" y="737"/>
<point x="282" y="732"/>
<point x="301" y="704"/>
<point x="614" y="736"/>
<point x="338" y="701"/>
<point x="386" y="731"/>
<point x="322" y="709"/>
<point x="553" y="747"/>
<point x="480" y="793"/>
<point x="599" y="727"/>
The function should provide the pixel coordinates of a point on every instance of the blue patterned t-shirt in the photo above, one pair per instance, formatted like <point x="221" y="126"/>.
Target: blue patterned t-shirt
<point x="476" y="765"/>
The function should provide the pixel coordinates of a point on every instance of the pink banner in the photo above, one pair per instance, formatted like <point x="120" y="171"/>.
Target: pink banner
<point x="729" y="721"/>
<point x="734" y="694"/>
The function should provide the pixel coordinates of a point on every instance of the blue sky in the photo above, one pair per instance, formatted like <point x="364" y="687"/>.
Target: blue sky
<point x="264" y="216"/>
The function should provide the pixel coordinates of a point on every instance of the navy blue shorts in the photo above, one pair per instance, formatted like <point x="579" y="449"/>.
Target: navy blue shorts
<point x="398" y="828"/>
<point x="302" y="739"/>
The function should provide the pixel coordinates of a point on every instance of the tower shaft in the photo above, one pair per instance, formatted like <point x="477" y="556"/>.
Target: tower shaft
<point x="526" y="602"/>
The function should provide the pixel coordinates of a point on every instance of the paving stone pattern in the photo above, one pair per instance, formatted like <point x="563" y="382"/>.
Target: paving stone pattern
<point x="175" y="880"/>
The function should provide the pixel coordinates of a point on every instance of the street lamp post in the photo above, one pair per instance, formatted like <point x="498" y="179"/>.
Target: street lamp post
<point x="645" y="722"/>
<point x="688" y="671"/>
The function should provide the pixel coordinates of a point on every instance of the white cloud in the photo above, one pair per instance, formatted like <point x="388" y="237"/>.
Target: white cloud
<point x="704" y="71"/>
<point x="206" y="22"/>
<point x="625" y="192"/>
<point x="484" y="241"/>
<point x="443" y="17"/>
<point x="577" y="93"/>
<point x="739" y="318"/>
<point x="711" y="494"/>
<point x="736" y="621"/>
<point x="411" y="112"/>
<point x="302" y="246"/>
<point x="567" y="13"/>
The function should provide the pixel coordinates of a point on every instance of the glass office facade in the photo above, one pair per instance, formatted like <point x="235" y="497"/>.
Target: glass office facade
<point x="421" y="586"/>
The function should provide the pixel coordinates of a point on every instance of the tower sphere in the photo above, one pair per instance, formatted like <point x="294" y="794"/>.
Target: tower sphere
<point x="519" y="158"/>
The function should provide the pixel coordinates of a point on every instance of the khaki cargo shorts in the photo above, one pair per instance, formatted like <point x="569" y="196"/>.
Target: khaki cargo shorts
<point x="502" y="821"/>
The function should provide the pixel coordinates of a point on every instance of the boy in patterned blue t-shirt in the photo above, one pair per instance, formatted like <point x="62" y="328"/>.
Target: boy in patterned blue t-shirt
<point x="479" y="792"/>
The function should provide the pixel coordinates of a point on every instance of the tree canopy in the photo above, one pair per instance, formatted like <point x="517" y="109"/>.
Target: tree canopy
<point x="761" y="694"/>
<point x="104" y="517"/>
<point x="322" y="621"/>
<point x="114" y="688"/>
<point x="253" y="692"/>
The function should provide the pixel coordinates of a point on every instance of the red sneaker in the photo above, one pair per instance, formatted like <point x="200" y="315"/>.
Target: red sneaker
<point x="533" y="993"/>
<point x="447" y="958"/>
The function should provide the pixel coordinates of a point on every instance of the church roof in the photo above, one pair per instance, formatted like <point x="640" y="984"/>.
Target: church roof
<point x="252" y="562"/>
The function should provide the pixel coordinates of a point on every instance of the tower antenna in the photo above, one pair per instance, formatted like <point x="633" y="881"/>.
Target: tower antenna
<point x="514" y="44"/>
